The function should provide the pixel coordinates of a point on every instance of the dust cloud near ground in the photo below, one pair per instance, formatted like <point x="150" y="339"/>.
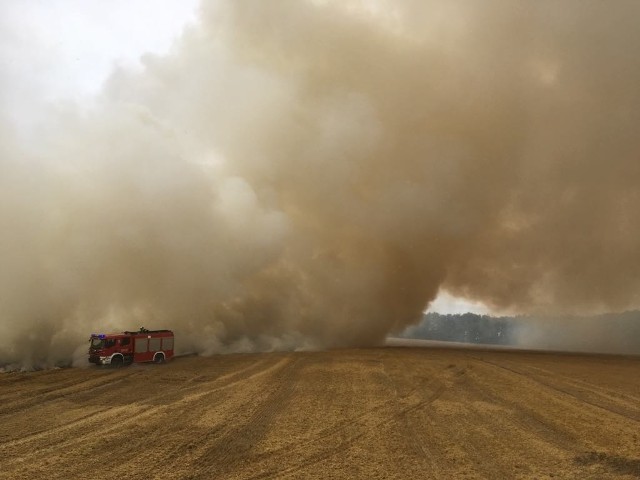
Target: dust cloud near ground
<point x="308" y="174"/>
<point x="393" y="413"/>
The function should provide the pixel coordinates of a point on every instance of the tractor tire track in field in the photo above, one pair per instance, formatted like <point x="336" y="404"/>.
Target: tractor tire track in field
<point x="117" y="418"/>
<point x="625" y="405"/>
<point x="14" y="401"/>
<point x="370" y="413"/>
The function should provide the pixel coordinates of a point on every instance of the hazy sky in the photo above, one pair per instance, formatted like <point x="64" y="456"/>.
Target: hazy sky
<point x="65" y="49"/>
<point x="447" y="303"/>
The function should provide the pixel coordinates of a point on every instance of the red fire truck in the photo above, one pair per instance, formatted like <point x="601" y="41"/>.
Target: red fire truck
<point x="124" y="348"/>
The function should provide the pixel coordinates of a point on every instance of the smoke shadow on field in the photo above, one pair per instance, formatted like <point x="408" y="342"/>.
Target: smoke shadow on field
<point x="618" y="464"/>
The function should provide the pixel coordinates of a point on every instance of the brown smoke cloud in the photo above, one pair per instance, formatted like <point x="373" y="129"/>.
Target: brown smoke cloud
<point x="305" y="174"/>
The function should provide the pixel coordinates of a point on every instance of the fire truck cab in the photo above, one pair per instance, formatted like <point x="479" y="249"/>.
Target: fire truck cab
<point x="128" y="347"/>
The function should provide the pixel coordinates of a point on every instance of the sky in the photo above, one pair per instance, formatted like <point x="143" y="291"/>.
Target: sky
<point x="53" y="50"/>
<point x="447" y="303"/>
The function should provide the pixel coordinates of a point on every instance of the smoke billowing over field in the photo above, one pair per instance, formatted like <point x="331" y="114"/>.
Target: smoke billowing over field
<point x="305" y="174"/>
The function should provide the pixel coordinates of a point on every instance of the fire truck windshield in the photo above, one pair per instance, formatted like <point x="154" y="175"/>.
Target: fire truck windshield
<point x="97" y="342"/>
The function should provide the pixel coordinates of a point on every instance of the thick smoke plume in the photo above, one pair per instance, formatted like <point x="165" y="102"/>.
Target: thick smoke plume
<point x="304" y="174"/>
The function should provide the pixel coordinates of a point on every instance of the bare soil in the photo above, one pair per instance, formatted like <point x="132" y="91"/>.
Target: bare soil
<point x="374" y="413"/>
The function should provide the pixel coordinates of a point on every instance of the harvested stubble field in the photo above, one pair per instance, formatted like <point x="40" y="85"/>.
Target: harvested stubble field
<point x="374" y="413"/>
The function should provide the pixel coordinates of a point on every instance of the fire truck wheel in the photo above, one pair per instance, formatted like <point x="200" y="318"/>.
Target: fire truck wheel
<point x="159" y="358"/>
<point x="116" y="361"/>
